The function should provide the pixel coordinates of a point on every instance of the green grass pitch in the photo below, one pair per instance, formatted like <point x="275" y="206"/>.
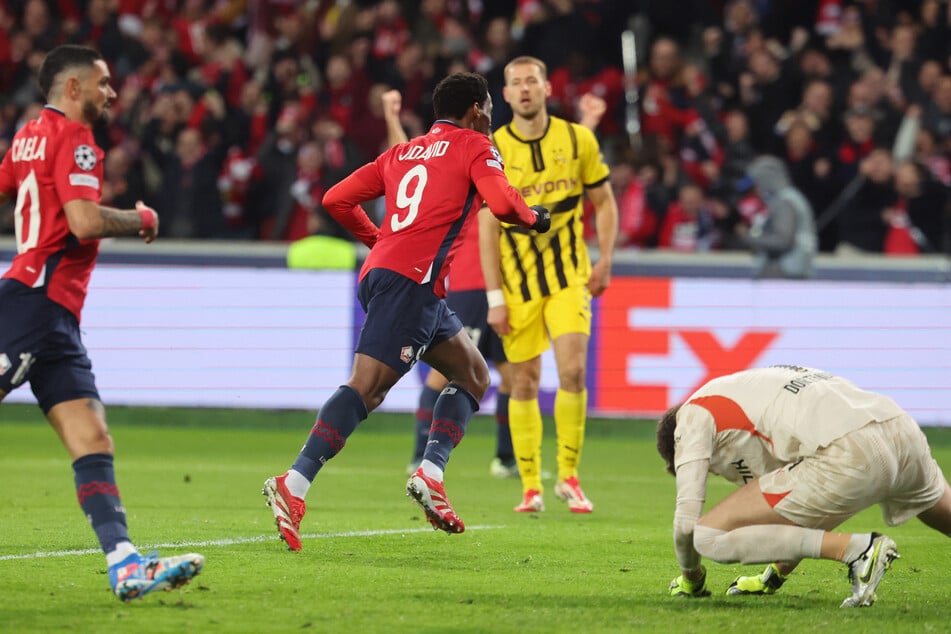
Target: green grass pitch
<point x="191" y="480"/>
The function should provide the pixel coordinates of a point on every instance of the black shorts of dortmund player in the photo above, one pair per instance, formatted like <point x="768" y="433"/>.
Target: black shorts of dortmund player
<point x="472" y="308"/>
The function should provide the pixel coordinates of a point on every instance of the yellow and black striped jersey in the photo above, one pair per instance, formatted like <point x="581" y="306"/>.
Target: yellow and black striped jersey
<point x="553" y="171"/>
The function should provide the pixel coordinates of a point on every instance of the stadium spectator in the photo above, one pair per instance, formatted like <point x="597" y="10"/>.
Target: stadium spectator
<point x="857" y="145"/>
<point x="811" y="173"/>
<point x="189" y="187"/>
<point x="918" y="221"/>
<point x="815" y="111"/>
<point x="936" y="117"/>
<point x="554" y="29"/>
<point x="308" y="216"/>
<point x="765" y="93"/>
<point x="402" y="286"/>
<point x="369" y="129"/>
<point x="546" y="302"/>
<point x="808" y="450"/>
<point x="667" y="107"/>
<point x="123" y="183"/>
<point x="344" y="89"/>
<point x="783" y="240"/>
<point x="900" y="65"/>
<point x="341" y="154"/>
<point x="725" y="48"/>
<point x="737" y="153"/>
<point x="496" y="47"/>
<point x="690" y="223"/>
<point x="582" y="75"/>
<point x="928" y="76"/>
<point x="56" y="164"/>
<point x="269" y="201"/>
<point x="637" y="222"/>
<point x="932" y="39"/>
<point x="860" y="223"/>
<point x="928" y="153"/>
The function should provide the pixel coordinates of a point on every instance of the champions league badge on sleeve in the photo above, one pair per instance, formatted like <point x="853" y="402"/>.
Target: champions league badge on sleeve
<point x="85" y="157"/>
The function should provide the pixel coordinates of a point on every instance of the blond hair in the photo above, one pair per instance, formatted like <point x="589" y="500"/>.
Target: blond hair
<point x="527" y="59"/>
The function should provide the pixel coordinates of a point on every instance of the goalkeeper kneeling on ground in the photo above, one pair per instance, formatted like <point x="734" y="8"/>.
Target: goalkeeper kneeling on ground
<point x="808" y="450"/>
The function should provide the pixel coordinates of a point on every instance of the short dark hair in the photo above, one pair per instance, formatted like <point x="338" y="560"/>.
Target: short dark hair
<point x="456" y="93"/>
<point x="62" y="58"/>
<point x="666" y="427"/>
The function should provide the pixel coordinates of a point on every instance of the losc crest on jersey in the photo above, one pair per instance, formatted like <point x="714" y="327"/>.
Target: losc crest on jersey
<point x="85" y="157"/>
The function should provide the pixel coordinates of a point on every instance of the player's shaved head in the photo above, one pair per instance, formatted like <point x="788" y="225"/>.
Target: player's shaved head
<point x="63" y="58"/>
<point x="666" y="427"/>
<point x="455" y="94"/>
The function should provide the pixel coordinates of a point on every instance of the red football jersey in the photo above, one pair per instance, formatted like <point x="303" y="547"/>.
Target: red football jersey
<point x="431" y="199"/>
<point x="466" y="271"/>
<point x="52" y="160"/>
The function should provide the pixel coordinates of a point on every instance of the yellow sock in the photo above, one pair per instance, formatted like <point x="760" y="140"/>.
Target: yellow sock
<point x="570" y="416"/>
<point x="525" y="423"/>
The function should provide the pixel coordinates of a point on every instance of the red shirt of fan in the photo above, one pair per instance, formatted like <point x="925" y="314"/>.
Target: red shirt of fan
<point x="51" y="161"/>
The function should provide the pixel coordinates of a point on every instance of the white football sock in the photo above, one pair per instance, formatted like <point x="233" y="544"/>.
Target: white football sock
<point x="760" y="544"/>
<point x="858" y="544"/>
<point x="123" y="550"/>
<point x="431" y="470"/>
<point x="297" y="484"/>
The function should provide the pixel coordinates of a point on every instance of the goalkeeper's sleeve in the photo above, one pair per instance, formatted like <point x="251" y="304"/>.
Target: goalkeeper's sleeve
<point x="691" y="493"/>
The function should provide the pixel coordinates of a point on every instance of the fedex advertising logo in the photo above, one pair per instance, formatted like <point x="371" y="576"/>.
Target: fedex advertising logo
<point x="654" y="351"/>
<point x="659" y="339"/>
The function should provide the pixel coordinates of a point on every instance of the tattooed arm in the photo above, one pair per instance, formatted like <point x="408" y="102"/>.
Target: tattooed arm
<point x="88" y="219"/>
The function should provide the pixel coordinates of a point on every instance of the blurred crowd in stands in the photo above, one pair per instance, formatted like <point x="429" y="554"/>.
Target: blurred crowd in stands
<point x="233" y="116"/>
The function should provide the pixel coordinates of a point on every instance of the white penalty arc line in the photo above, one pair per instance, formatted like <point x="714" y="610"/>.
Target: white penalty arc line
<point x="237" y="541"/>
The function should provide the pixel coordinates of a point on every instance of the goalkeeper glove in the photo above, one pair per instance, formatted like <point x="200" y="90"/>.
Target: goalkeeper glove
<point x="542" y="219"/>
<point x="683" y="587"/>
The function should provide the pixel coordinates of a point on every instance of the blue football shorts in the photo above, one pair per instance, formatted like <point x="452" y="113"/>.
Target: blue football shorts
<point x="404" y="319"/>
<point x="40" y="343"/>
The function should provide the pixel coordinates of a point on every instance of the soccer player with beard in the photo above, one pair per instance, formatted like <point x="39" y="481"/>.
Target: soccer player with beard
<point x="53" y="170"/>
<point x="539" y="287"/>
<point x="808" y="450"/>
<point x="433" y="186"/>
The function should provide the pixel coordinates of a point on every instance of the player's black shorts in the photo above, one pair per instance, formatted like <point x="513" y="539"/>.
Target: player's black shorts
<point x="40" y="343"/>
<point x="404" y="319"/>
<point x="472" y="308"/>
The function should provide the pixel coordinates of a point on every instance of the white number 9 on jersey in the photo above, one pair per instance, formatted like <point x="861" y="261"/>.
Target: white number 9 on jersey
<point x="409" y="202"/>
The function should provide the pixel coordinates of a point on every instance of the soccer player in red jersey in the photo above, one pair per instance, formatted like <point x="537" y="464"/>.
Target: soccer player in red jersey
<point x="466" y="297"/>
<point x="53" y="170"/>
<point x="433" y="186"/>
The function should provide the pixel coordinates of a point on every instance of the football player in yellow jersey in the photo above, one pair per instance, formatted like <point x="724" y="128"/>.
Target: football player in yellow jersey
<point x="539" y="287"/>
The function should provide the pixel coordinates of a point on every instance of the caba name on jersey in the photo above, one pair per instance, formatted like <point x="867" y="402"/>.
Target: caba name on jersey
<point x="421" y="153"/>
<point x="31" y="148"/>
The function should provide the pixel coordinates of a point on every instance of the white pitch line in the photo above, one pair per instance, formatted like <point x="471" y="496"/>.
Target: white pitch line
<point x="237" y="541"/>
